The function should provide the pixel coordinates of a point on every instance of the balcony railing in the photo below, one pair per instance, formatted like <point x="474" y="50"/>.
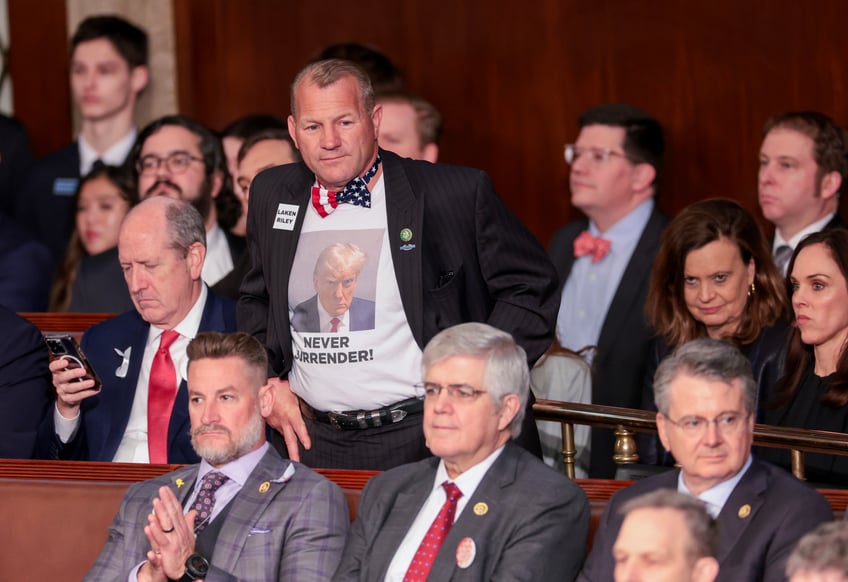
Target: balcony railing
<point x="626" y="422"/>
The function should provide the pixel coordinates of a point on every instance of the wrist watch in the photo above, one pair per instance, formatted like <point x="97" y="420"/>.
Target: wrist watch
<point x="196" y="568"/>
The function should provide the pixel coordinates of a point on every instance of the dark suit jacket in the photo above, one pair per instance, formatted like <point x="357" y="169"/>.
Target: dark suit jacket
<point x="25" y="386"/>
<point x="535" y="527"/>
<point x="100" y="286"/>
<point x="753" y="545"/>
<point x="26" y="269"/>
<point x="469" y="259"/>
<point x="228" y="287"/>
<point x="104" y="416"/>
<point x="293" y="531"/>
<point x="48" y="213"/>
<point x="619" y="365"/>
<point x="15" y="162"/>
<point x="306" y="317"/>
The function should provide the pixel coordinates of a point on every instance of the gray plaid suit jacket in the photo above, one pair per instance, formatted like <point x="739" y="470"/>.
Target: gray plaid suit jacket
<point x="296" y="530"/>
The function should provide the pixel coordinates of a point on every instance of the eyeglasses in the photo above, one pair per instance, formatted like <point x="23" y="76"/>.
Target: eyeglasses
<point x="596" y="155"/>
<point x="175" y="163"/>
<point x="458" y="392"/>
<point x="727" y="423"/>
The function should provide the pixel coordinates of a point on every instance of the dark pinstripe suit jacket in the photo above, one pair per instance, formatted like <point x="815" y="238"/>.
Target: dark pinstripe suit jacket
<point x="469" y="259"/>
<point x="295" y="530"/>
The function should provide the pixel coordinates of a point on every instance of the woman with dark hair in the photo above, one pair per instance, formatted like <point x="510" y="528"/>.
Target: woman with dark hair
<point x="814" y="392"/>
<point x="714" y="277"/>
<point x="102" y="199"/>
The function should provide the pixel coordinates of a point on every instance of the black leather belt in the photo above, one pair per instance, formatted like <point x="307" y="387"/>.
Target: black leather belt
<point x="361" y="419"/>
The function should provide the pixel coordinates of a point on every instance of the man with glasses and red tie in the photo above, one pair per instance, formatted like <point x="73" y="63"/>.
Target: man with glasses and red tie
<point x="706" y="397"/>
<point x="482" y="508"/>
<point x="177" y="157"/>
<point x="604" y="261"/>
<point x="140" y="414"/>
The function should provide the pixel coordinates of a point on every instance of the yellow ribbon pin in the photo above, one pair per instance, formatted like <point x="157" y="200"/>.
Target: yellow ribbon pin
<point x="265" y="487"/>
<point x="481" y="508"/>
<point x="744" y="511"/>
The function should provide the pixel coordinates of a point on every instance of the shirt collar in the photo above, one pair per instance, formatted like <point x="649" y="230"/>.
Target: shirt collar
<point x="633" y="223"/>
<point x="189" y="325"/>
<point x="817" y="226"/>
<point x="238" y="470"/>
<point x="469" y="479"/>
<point x="716" y="496"/>
<point x="114" y="155"/>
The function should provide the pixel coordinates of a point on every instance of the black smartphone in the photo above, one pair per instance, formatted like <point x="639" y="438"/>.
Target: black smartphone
<point x="67" y="348"/>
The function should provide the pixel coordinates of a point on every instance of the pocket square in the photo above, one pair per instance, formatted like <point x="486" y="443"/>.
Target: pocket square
<point x="258" y="531"/>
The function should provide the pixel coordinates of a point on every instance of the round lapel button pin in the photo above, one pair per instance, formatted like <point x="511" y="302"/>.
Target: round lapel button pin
<point x="466" y="551"/>
<point x="265" y="487"/>
<point x="744" y="511"/>
<point x="481" y="508"/>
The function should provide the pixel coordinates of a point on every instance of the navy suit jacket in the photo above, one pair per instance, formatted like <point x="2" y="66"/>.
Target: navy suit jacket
<point x="15" y="162"/>
<point x="767" y="513"/>
<point x="25" y="386"/>
<point x="534" y="525"/>
<point x="306" y="319"/>
<point x="47" y="210"/>
<point x="26" y="269"/>
<point x="618" y="369"/>
<point x="104" y="416"/>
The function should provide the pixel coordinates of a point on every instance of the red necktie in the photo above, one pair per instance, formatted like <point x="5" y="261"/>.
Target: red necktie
<point x="334" y="325"/>
<point x="586" y="244"/>
<point x="423" y="560"/>
<point x="161" y="392"/>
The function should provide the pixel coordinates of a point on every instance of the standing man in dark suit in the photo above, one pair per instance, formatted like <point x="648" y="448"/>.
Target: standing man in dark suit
<point x="178" y="157"/>
<point x="706" y="397"/>
<point x="803" y="169"/>
<point x="15" y="162"/>
<point x="267" y="519"/>
<point x="24" y="385"/>
<point x="108" y="72"/>
<point x="141" y="413"/>
<point x="487" y="509"/>
<point x="443" y="250"/>
<point x="604" y="261"/>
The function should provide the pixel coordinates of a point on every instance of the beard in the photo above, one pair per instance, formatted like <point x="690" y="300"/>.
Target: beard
<point x="202" y="202"/>
<point x="236" y="447"/>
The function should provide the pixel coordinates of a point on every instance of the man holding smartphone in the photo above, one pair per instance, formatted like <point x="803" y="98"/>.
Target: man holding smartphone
<point x="141" y="412"/>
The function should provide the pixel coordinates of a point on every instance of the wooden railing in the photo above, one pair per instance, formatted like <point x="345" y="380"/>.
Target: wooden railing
<point x="626" y="422"/>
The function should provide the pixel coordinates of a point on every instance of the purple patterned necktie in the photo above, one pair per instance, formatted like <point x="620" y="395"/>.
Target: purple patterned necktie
<point x="205" y="501"/>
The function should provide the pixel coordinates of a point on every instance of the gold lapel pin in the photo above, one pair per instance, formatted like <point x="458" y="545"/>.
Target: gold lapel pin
<point x="481" y="508"/>
<point x="180" y="483"/>
<point x="744" y="511"/>
<point x="265" y="487"/>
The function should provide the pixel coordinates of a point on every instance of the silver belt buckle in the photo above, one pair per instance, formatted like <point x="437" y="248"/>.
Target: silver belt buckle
<point x="398" y="415"/>
<point x="334" y="420"/>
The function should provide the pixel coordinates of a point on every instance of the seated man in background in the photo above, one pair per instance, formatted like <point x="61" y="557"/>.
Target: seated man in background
<point x="177" y="157"/>
<point x="24" y="385"/>
<point x="483" y="508"/>
<point x="243" y="513"/>
<point x="411" y="127"/>
<point x="268" y="147"/>
<point x="666" y="536"/>
<point x="706" y="397"/>
<point x="821" y="555"/>
<point x="141" y="413"/>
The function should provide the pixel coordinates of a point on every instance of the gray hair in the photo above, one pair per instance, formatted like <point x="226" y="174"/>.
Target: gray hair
<point x="185" y="225"/>
<point x="506" y="362"/>
<point x="708" y="359"/>
<point x="327" y="72"/>
<point x="702" y="528"/>
<point x="822" y="550"/>
<point x="340" y="257"/>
